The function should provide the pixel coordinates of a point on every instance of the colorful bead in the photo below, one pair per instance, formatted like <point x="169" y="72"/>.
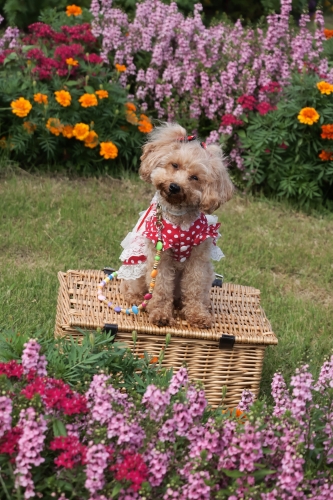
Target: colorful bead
<point x="148" y="296"/>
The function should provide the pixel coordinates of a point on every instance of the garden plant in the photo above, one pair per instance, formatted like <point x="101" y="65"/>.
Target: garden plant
<point x="100" y="442"/>
<point x="61" y="104"/>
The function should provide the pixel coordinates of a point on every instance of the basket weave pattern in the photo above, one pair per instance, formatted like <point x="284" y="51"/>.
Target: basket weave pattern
<point x="236" y="311"/>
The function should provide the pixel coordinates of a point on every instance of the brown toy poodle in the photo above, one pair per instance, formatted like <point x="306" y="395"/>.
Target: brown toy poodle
<point x="191" y="181"/>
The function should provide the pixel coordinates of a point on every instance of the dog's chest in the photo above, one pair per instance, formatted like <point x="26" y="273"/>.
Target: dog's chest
<point x="181" y="241"/>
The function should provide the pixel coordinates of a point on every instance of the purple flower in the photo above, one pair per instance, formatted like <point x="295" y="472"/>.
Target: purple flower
<point x="246" y="401"/>
<point x="30" y="446"/>
<point x="31" y="360"/>
<point x="97" y="457"/>
<point x="6" y="407"/>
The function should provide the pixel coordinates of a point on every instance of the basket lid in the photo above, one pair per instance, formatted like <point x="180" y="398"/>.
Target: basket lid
<point x="237" y="315"/>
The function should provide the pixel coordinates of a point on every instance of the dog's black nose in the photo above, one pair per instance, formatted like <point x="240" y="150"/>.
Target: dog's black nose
<point x="174" y="188"/>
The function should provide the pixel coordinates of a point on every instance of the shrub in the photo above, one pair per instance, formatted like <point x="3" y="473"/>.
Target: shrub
<point x="61" y="104"/>
<point x="104" y="443"/>
<point x="195" y="74"/>
<point x="289" y="151"/>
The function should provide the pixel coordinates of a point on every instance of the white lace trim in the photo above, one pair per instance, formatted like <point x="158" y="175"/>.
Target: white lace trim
<point x="216" y="253"/>
<point x="136" y="247"/>
<point x="132" y="272"/>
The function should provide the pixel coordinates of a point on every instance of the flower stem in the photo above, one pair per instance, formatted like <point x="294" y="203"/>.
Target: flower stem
<point x="4" y="486"/>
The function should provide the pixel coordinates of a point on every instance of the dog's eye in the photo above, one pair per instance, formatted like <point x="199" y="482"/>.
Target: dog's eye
<point x="175" y="165"/>
<point x="194" y="178"/>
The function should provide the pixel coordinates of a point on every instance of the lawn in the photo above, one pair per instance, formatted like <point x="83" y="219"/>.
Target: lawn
<point x="54" y="224"/>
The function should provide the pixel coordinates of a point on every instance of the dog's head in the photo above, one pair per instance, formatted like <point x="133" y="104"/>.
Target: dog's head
<point x="184" y="172"/>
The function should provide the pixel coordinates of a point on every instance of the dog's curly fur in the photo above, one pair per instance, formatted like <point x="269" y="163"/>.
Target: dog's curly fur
<point x="204" y="186"/>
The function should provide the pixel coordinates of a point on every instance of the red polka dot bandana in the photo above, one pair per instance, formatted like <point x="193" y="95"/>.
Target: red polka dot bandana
<point x="182" y="241"/>
<point x="179" y="240"/>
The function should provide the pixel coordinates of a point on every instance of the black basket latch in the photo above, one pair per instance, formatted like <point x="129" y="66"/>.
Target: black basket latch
<point x="226" y="341"/>
<point x="110" y="327"/>
<point x="218" y="280"/>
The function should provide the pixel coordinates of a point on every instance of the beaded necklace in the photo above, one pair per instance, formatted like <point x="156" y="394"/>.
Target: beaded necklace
<point x="159" y="247"/>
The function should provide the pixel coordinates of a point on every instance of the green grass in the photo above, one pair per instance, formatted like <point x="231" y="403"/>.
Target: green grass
<point x="54" y="224"/>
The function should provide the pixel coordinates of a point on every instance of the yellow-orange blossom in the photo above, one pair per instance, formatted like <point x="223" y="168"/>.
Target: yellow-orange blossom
<point x="308" y="116"/>
<point x="63" y="98"/>
<point x="108" y="150"/>
<point x="88" y="100"/>
<point x="21" y="107"/>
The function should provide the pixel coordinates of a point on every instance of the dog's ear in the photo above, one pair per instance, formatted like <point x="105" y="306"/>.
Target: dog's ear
<point x="147" y="162"/>
<point x="219" y="188"/>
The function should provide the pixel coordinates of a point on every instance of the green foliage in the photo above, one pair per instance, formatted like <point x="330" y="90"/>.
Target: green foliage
<point x="281" y="155"/>
<point x="77" y="362"/>
<point x="22" y="13"/>
<point x="31" y="139"/>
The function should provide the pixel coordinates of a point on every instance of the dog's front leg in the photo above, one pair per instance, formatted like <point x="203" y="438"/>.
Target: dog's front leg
<point x="160" y="307"/>
<point x="196" y="283"/>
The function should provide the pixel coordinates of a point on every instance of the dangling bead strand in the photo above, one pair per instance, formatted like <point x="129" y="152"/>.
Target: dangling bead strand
<point x="147" y="297"/>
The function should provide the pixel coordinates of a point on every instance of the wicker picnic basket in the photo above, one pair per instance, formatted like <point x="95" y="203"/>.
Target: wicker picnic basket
<point x="229" y="354"/>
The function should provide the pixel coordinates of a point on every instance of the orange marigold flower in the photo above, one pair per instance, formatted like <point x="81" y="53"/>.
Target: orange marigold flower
<point x="41" y="98"/>
<point x="326" y="156"/>
<point x="91" y="140"/>
<point x="54" y="126"/>
<point x="130" y="106"/>
<point x="72" y="62"/>
<point x="120" y="67"/>
<point x="21" y="107"/>
<point x="102" y="94"/>
<point x="327" y="131"/>
<point x="88" y="100"/>
<point x="144" y="124"/>
<point x="73" y="10"/>
<point x="81" y="131"/>
<point x="132" y="118"/>
<point x="328" y="33"/>
<point x="325" y="88"/>
<point x="153" y="360"/>
<point x="108" y="150"/>
<point x="29" y="127"/>
<point x="308" y="116"/>
<point x="67" y="131"/>
<point x="63" y="97"/>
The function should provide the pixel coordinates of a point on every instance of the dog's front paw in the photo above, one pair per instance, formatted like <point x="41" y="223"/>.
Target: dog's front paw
<point x="160" y="317"/>
<point x="199" y="318"/>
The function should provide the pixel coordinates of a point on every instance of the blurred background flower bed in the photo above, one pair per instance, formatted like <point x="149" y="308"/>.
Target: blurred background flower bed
<point x="111" y="68"/>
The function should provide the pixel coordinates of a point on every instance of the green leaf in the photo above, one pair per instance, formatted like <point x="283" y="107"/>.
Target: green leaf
<point x="260" y="474"/>
<point x="241" y="134"/>
<point x="89" y="89"/>
<point x="116" y="489"/>
<point x="72" y="83"/>
<point x="59" y="428"/>
<point x="233" y="473"/>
